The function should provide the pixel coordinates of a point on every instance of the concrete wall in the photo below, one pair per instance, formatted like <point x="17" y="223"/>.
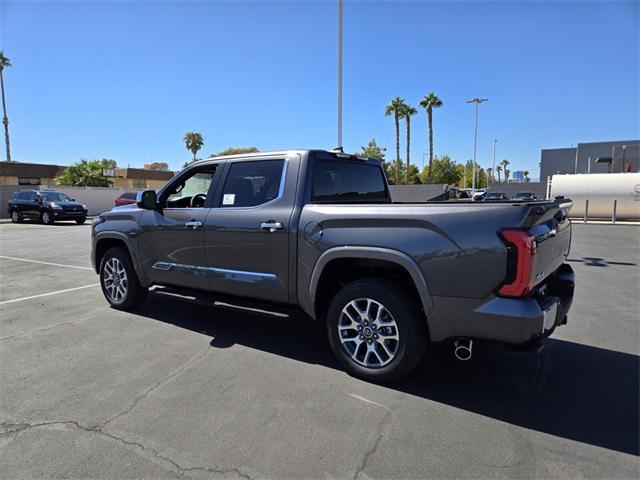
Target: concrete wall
<point x="96" y="199"/>
<point x="417" y="193"/>
<point x="538" y="188"/>
<point x="554" y="160"/>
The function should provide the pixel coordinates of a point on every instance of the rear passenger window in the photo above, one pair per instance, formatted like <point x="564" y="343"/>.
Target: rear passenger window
<point x="249" y="184"/>
<point x="348" y="181"/>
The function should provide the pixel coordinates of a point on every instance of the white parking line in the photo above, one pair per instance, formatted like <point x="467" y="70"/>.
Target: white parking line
<point x="47" y="294"/>
<point x="45" y="263"/>
<point x="358" y="397"/>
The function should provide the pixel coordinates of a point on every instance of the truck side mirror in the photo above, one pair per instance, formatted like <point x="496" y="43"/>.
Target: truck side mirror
<point x="147" y="199"/>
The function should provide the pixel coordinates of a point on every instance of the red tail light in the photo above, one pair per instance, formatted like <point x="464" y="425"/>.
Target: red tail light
<point x="523" y="248"/>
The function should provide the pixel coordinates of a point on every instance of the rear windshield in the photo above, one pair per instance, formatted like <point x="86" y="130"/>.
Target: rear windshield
<point x="350" y="181"/>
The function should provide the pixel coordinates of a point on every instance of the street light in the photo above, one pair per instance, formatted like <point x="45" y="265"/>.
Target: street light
<point x="339" y="73"/>
<point x="477" y="101"/>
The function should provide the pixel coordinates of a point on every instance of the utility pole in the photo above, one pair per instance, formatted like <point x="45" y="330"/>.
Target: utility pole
<point x="477" y="102"/>
<point x="493" y="168"/>
<point x="339" y="73"/>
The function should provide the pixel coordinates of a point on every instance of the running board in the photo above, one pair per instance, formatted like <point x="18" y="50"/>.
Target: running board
<point x="209" y="300"/>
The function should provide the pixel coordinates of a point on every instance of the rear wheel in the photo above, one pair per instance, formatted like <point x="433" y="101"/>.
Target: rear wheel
<point x="80" y="221"/>
<point x="15" y="217"/>
<point x="119" y="281"/>
<point x="46" y="218"/>
<point x="376" y="330"/>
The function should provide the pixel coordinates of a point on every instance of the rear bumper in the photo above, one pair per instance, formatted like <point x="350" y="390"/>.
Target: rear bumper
<point x="514" y="321"/>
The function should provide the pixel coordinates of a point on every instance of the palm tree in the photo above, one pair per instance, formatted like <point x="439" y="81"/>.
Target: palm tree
<point x="5" y="62"/>
<point x="490" y="175"/>
<point x="408" y="112"/>
<point x="194" y="141"/>
<point x="429" y="102"/>
<point x="526" y="175"/>
<point x="396" y="108"/>
<point x="506" y="175"/>
<point x="499" y="169"/>
<point x="505" y="164"/>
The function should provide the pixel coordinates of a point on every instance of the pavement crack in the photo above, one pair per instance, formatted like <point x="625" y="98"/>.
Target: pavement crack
<point x="189" y="363"/>
<point x="16" y="428"/>
<point x="372" y="450"/>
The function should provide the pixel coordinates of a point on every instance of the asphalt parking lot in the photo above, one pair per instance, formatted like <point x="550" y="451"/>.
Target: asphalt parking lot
<point x="178" y="390"/>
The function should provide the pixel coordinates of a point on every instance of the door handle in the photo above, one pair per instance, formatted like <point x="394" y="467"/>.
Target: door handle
<point x="193" y="224"/>
<point x="271" y="226"/>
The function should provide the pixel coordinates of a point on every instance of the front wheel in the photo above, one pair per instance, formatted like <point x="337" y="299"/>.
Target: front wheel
<point x="46" y="218"/>
<point x="376" y="330"/>
<point x="15" y="217"/>
<point x="119" y="281"/>
<point x="80" y="221"/>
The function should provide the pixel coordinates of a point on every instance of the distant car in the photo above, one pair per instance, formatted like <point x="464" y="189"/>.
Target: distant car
<point x="524" y="196"/>
<point x="127" y="198"/>
<point x="495" y="197"/>
<point x="47" y="206"/>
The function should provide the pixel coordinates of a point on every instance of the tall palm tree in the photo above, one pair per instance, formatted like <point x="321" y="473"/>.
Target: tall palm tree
<point x="408" y="112"/>
<point x="194" y="141"/>
<point x="490" y="175"/>
<point x="507" y="172"/>
<point x="505" y="164"/>
<point x="429" y="102"/>
<point x="5" y="63"/>
<point x="526" y="175"/>
<point x="499" y="169"/>
<point x="396" y="108"/>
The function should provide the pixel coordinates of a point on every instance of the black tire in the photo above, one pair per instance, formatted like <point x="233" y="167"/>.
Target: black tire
<point x="134" y="293"/>
<point x="410" y="326"/>
<point x="46" y="217"/>
<point x="15" y="216"/>
<point x="80" y="221"/>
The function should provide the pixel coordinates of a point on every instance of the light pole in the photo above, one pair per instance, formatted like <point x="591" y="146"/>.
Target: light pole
<point x="339" y="73"/>
<point x="477" y="101"/>
<point x="493" y="168"/>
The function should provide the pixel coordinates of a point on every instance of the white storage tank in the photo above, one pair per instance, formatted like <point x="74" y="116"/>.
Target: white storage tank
<point x="601" y="189"/>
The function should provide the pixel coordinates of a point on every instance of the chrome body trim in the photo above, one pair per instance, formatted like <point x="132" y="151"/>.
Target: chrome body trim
<point x="213" y="272"/>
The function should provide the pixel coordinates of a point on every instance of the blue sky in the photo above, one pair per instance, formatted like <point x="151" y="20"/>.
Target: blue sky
<point x="125" y="80"/>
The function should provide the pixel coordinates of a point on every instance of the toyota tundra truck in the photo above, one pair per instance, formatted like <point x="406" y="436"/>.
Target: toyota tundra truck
<point x="317" y="232"/>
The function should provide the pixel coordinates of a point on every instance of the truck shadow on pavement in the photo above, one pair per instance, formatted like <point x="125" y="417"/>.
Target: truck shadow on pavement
<point x="578" y="392"/>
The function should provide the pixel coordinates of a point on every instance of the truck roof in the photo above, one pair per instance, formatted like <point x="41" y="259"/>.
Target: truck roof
<point x="275" y="153"/>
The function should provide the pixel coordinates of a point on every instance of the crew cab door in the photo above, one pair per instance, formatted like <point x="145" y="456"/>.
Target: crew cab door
<point x="171" y="242"/>
<point x="247" y="233"/>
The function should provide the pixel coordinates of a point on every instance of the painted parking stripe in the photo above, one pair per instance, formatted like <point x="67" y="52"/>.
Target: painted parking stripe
<point x="44" y="263"/>
<point x="47" y="294"/>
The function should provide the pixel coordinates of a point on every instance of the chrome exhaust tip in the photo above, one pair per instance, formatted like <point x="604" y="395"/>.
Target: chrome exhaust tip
<point x="462" y="349"/>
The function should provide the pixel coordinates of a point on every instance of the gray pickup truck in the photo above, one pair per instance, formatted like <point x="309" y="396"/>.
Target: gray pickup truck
<point x="317" y="232"/>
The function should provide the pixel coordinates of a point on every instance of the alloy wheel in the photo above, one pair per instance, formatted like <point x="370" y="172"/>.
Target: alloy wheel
<point x="368" y="332"/>
<point x="46" y="218"/>
<point x="15" y="218"/>
<point x="115" y="279"/>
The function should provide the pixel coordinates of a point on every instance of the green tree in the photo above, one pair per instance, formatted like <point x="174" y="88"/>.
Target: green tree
<point x="505" y="164"/>
<point x="444" y="170"/>
<point x="396" y="108"/>
<point x="85" y="173"/>
<point x="5" y="63"/>
<point x="429" y="102"/>
<point x="236" y="151"/>
<point x="408" y="112"/>
<point x="194" y="141"/>
<point x="526" y="175"/>
<point x="490" y="175"/>
<point x="373" y="150"/>
<point x="413" y="174"/>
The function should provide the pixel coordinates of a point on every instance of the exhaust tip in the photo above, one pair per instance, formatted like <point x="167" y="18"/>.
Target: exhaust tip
<point x="463" y="349"/>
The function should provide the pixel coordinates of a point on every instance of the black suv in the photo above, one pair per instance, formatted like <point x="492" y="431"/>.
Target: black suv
<point x="46" y="206"/>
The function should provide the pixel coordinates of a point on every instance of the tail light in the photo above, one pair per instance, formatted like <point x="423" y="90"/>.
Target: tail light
<point x="522" y="248"/>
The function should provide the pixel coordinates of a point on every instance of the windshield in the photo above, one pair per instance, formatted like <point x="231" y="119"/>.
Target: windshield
<point x="54" y="197"/>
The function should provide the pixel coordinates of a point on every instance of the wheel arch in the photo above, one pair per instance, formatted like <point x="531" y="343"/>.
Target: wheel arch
<point x="375" y="258"/>
<point x="106" y="240"/>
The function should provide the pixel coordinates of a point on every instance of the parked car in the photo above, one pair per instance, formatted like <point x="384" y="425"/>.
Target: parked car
<point x="495" y="197"/>
<point x="524" y="196"/>
<point x="316" y="232"/>
<point x="48" y="206"/>
<point x="127" y="198"/>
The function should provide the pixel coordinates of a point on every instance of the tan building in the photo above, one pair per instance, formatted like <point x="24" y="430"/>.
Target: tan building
<point x="28" y="174"/>
<point x="140" y="178"/>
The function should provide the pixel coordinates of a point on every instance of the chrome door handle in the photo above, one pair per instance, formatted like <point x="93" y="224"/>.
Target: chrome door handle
<point x="193" y="224"/>
<point x="271" y="226"/>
